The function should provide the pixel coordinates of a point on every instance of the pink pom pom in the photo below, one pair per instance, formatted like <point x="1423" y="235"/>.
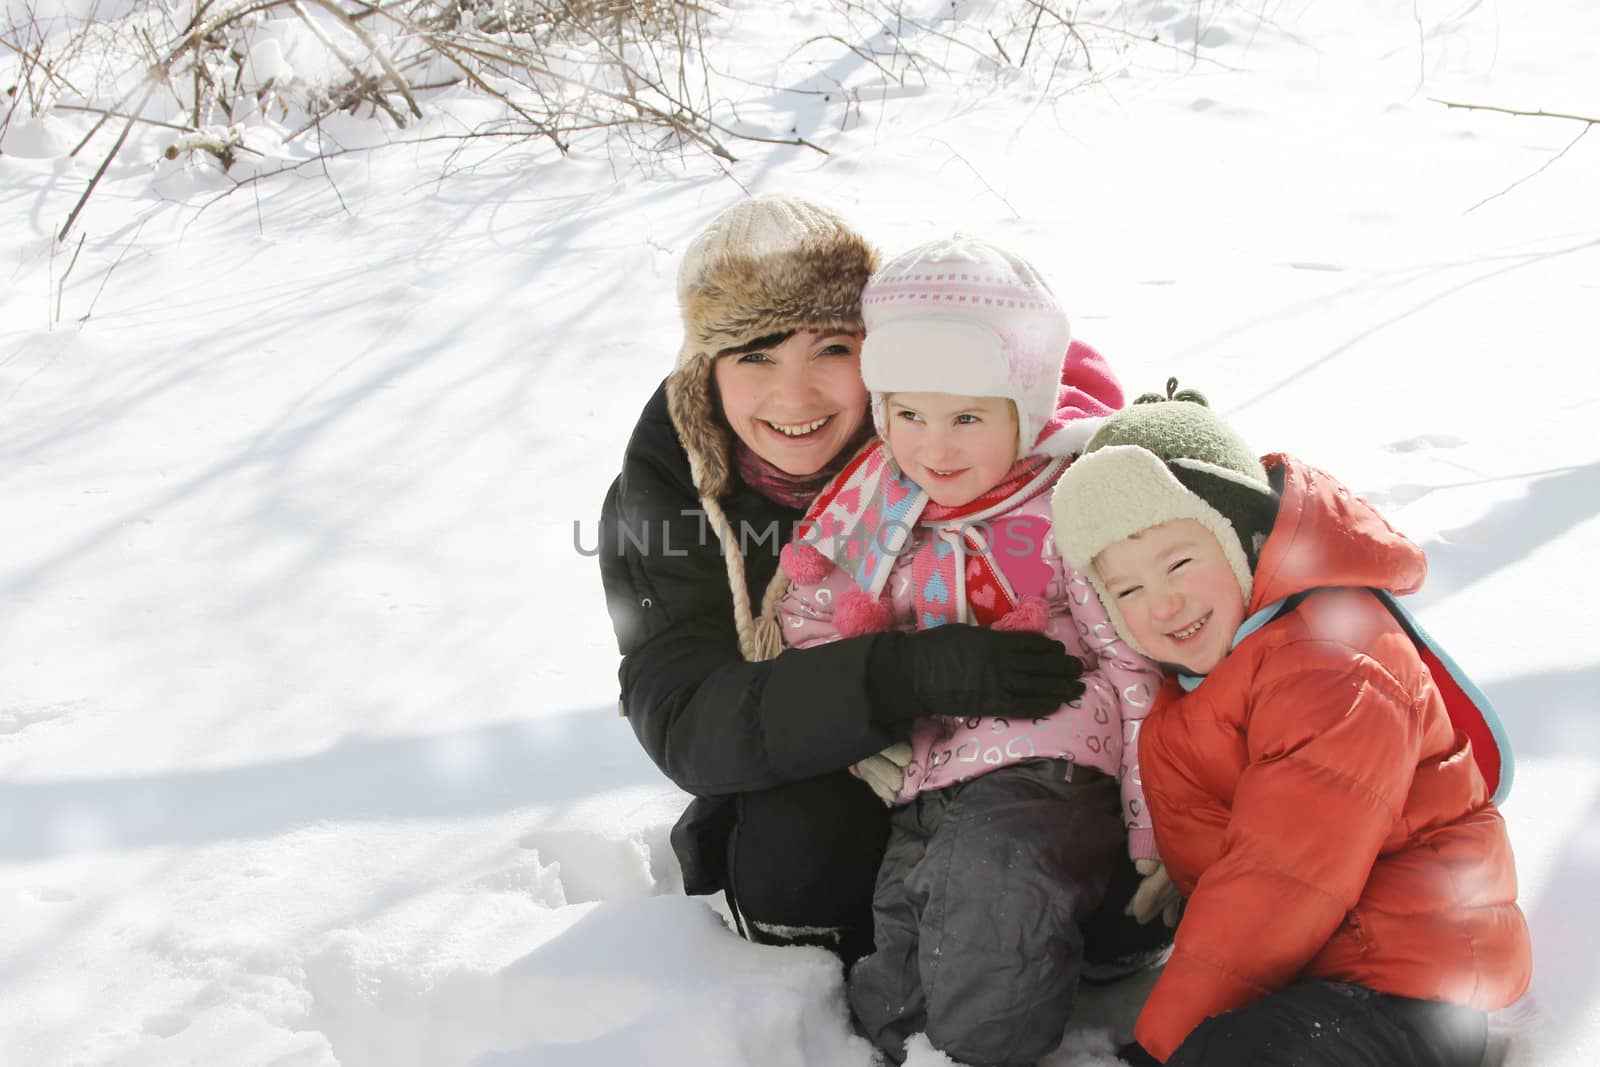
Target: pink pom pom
<point x="860" y="613"/>
<point x="804" y="564"/>
<point x="1031" y="613"/>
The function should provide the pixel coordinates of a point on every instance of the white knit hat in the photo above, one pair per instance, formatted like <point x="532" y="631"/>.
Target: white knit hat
<point x="959" y="315"/>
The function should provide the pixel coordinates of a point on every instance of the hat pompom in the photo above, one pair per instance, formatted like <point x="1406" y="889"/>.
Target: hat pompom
<point x="804" y="564"/>
<point x="1032" y="614"/>
<point x="859" y="612"/>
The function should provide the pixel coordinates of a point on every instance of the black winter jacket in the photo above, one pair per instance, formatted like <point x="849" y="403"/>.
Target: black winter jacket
<point x="715" y="724"/>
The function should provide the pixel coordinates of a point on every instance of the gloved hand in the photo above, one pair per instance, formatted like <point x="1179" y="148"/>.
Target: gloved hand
<point x="1134" y="1055"/>
<point x="885" y="771"/>
<point x="1156" y="894"/>
<point x="967" y="670"/>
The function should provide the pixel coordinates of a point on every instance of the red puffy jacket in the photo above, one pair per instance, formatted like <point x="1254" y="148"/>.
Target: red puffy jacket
<point x="1313" y="802"/>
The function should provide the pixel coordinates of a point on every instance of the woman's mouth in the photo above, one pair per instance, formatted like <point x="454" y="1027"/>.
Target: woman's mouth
<point x="799" y="431"/>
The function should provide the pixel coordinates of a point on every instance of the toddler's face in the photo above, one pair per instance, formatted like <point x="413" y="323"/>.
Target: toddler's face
<point x="955" y="447"/>
<point x="1177" y="594"/>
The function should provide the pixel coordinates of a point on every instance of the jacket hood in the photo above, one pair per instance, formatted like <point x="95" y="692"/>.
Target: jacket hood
<point x="1325" y="535"/>
<point x="1087" y="395"/>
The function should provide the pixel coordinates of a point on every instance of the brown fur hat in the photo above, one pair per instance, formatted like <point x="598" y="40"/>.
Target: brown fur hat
<point x="765" y="266"/>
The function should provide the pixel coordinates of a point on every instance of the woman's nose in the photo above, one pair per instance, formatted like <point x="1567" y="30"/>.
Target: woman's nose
<point x="798" y="384"/>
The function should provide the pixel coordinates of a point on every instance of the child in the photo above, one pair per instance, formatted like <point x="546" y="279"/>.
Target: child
<point x="1351" y="895"/>
<point x="1006" y="831"/>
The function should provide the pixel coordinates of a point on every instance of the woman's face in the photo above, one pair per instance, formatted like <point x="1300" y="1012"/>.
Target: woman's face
<point x="796" y="403"/>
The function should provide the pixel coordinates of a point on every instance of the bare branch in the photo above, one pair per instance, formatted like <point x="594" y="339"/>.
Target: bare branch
<point x="1514" y="111"/>
<point x="1535" y="174"/>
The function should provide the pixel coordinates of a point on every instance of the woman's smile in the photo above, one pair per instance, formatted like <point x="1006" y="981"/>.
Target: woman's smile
<point x="798" y="430"/>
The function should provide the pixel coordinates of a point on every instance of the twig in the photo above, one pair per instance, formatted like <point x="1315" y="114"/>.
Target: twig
<point x="1033" y="30"/>
<point x="122" y="115"/>
<point x="1535" y="174"/>
<point x="377" y="53"/>
<point x="61" y="286"/>
<point x="1002" y="49"/>
<point x="360" y="77"/>
<point x="323" y="158"/>
<point x="1541" y="114"/>
<point x="105" y="163"/>
<point x="120" y="257"/>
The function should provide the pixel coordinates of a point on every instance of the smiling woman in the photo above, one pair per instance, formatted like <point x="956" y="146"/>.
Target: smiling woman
<point x="764" y="406"/>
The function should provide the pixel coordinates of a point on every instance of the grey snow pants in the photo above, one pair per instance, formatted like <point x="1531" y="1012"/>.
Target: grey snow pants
<point x="978" y="911"/>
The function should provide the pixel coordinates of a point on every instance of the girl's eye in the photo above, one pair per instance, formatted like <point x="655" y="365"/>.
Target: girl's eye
<point x="754" y="357"/>
<point x="1178" y="564"/>
<point x="966" y="418"/>
<point x="836" y="350"/>
<point x="909" y="416"/>
<point x="1128" y="592"/>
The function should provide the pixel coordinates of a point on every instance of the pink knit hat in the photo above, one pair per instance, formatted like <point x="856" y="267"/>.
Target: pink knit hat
<point x="959" y="315"/>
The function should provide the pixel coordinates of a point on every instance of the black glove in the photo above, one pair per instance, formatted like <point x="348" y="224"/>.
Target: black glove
<point x="967" y="670"/>
<point x="1134" y="1055"/>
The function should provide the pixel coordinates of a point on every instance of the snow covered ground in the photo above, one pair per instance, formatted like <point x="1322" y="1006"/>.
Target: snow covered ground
<point x="308" y="749"/>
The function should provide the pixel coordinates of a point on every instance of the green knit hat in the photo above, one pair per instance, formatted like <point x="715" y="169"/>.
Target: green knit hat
<point x="1160" y="459"/>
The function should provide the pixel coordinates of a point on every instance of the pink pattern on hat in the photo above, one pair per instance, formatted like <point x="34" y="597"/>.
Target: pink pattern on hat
<point x="921" y="297"/>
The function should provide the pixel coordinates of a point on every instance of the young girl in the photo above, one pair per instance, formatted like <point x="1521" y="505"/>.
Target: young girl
<point x="1006" y="830"/>
<point x="1350" y="884"/>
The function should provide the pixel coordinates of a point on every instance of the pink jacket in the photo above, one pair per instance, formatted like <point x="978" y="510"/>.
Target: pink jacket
<point x="1098" y="730"/>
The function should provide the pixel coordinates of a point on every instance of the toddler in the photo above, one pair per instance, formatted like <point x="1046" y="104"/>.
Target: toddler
<point x="1351" y="894"/>
<point x="1006" y="830"/>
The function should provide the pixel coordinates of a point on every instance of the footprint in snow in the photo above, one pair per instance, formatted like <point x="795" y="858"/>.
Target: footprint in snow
<point x="166" y="1024"/>
<point x="53" y="894"/>
<point x="1425" y="442"/>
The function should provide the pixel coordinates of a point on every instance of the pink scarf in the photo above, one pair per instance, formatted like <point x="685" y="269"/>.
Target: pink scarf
<point x="864" y="521"/>
<point x="794" y="490"/>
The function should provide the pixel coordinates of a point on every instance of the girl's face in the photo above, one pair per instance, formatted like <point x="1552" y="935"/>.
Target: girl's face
<point x="795" y="403"/>
<point x="1177" y="594"/>
<point x="955" y="447"/>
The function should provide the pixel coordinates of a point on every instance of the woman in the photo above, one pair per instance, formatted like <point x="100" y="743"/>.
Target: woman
<point x="764" y="406"/>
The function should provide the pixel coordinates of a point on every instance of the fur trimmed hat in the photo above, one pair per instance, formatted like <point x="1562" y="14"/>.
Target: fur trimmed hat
<point x="765" y="267"/>
<point x="959" y="315"/>
<point x="1158" y="460"/>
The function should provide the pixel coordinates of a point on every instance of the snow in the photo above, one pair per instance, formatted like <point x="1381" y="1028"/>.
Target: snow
<point x="308" y="749"/>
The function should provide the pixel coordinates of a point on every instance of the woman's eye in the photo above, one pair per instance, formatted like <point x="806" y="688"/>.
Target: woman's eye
<point x="837" y="350"/>
<point x="754" y="357"/>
